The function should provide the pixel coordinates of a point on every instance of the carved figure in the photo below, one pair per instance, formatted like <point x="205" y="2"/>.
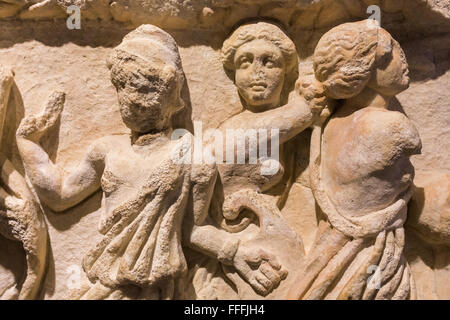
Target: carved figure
<point x="262" y="60"/>
<point x="361" y="175"/>
<point x="145" y="192"/>
<point x="20" y="216"/>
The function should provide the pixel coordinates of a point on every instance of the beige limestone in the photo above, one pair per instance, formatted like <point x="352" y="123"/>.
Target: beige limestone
<point x="88" y="127"/>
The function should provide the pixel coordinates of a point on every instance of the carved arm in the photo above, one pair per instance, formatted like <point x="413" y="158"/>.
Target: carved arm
<point x="54" y="188"/>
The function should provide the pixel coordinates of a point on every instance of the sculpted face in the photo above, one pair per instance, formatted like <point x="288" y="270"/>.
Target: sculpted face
<point x="147" y="96"/>
<point x="392" y="74"/>
<point x="259" y="75"/>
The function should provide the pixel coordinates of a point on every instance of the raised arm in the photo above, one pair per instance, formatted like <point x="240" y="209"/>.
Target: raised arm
<point x="290" y="119"/>
<point x="57" y="190"/>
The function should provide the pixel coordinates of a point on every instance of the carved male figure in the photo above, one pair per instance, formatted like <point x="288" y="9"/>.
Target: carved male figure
<point x="148" y="196"/>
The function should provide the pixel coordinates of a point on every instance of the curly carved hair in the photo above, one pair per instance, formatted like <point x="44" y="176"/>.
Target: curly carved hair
<point x="142" y="46"/>
<point x="344" y="61"/>
<point x="345" y="57"/>
<point x="260" y="30"/>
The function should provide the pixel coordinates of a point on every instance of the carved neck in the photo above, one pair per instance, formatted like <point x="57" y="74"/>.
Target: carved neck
<point x="367" y="98"/>
<point x="142" y="139"/>
<point x="262" y="108"/>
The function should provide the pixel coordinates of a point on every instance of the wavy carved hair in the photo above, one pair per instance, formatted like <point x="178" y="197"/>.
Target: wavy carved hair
<point x="344" y="61"/>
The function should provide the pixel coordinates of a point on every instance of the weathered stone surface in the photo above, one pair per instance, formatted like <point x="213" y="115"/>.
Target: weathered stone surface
<point x="87" y="118"/>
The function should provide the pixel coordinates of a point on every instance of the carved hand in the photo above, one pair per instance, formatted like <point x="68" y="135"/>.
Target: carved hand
<point x="313" y="93"/>
<point x="33" y="127"/>
<point x="259" y="268"/>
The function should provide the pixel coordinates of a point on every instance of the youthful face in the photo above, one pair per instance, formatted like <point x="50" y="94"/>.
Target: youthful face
<point x="147" y="96"/>
<point x="392" y="75"/>
<point x="259" y="75"/>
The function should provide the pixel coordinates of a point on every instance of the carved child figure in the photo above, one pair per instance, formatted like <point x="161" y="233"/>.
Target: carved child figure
<point x="262" y="60"/>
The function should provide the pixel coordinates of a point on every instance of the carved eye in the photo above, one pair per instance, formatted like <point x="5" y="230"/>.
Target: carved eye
<point x="269" y="63"/>
<point x="244" y="62"/>
<point x="245" y="65"/>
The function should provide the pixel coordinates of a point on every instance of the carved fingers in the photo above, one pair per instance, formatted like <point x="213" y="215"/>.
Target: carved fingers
<point x="34" y="126"/>
<point x="6" y="76"/>
<point x="260" y="269"/>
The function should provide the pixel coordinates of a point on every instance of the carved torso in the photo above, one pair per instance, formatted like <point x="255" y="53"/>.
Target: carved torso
<point x="128" y="168"/>
<point x="366" y="159"/>
<point x="145" y="195"/>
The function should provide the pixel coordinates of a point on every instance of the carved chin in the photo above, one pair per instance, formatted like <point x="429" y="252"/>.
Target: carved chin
<point x="402" y="85"/>
<point x="257" y="97"/>
<point x="406" y="82"/>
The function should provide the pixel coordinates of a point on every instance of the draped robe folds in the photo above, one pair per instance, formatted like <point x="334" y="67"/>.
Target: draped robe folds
<point x="355" y="257"/>
<point x="142" y="237"/>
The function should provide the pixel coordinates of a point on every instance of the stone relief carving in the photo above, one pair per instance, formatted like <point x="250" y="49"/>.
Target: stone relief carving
<point x="224" y="14"/>
<point x="146" y="193"/>
<point x="140" y="255"/>
<point x="262" y="61"/>
<point x="429" y="210"/>
<point x="215" y="230"/>
<point x="360" y="171"/>
<point x="20" y="215"/>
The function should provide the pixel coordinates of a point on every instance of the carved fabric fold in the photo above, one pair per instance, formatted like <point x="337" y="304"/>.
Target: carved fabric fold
<point x="391" y="217"/>
<point x="371" y="263"/>
<point x="142" y="245"/>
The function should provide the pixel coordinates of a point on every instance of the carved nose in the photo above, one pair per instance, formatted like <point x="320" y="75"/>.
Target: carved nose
<point x="258" y="74"/>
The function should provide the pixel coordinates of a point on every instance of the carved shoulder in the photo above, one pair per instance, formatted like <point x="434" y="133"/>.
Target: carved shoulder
<point x="369" y="140"/>
<point x="101" y="147"/>
<point x="389" y="128"/>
